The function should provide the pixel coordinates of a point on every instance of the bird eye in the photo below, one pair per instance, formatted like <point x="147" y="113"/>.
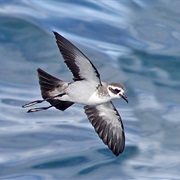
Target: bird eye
<point x="115" y="91"/>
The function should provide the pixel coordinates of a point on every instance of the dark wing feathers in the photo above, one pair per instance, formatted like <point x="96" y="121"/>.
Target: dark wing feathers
<point x="108" y="124"/>
<point x="61" y="105"/>
<point x="80" y="66"/>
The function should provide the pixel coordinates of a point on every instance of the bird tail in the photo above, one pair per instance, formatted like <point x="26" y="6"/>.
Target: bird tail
<point x="48" y="85"/>
<point x="51" y="87"/>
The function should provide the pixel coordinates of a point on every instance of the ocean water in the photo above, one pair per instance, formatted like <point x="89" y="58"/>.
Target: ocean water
<point x="135" y="42"/>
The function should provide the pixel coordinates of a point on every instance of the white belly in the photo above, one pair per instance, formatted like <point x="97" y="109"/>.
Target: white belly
<point x="79" y="92"/>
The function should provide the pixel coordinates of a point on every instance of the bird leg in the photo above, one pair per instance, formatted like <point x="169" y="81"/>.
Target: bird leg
<point x="38" y="109"/>
<point x="33" y="103"/>
<point x="40" y="101"/>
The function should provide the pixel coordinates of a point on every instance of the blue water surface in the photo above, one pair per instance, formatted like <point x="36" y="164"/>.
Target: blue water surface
<point x="135" y="42"/>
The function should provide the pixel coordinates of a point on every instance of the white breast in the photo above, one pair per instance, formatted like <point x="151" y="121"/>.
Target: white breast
<point x="95" y="99"/>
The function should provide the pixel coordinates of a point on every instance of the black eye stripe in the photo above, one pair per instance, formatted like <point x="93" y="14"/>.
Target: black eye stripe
<point x="115" y="91"/>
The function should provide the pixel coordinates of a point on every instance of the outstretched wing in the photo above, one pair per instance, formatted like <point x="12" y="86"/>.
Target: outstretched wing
<point x="80" y="66"/>
<point x="108" y="124"/>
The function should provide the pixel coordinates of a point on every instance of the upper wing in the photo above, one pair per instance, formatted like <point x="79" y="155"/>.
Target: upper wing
<point x="108" y="124"/>
<point x="81" y="67"/>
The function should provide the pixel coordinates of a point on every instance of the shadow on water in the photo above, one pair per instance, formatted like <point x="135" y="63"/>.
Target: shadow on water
<point x="62" y="163"/>
<point x="129" y="153"/>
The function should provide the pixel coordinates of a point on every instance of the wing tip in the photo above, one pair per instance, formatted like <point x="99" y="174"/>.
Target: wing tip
<point x="55" y="33"/>
<point x="58" y="36"/>
<point x="118" y="150"/>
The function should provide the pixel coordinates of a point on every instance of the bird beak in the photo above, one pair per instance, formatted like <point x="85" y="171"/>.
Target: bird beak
<point x="124" y="97"/>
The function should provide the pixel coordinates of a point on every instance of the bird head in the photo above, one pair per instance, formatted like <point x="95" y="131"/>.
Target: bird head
<point x="116" y="90"/>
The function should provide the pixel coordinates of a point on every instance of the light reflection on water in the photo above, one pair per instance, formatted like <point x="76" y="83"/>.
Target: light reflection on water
<point x="136" y="42"/>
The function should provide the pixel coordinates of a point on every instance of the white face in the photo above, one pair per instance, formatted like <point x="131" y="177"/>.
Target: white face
<point x="115" y="92"/>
